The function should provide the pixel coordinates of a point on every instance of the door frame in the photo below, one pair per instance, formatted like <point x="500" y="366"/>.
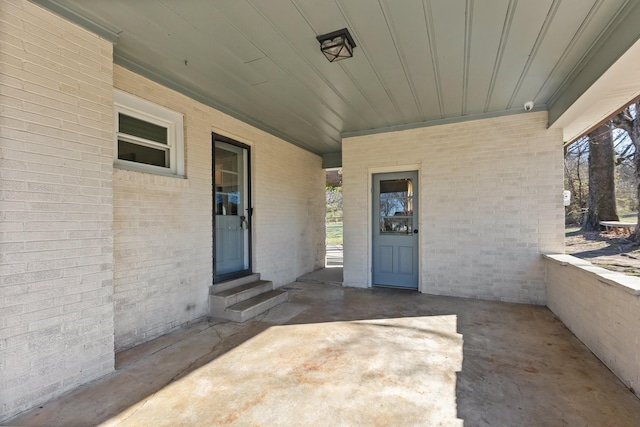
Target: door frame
<point x="387" y="169"/>
<point x="249" y="270"/>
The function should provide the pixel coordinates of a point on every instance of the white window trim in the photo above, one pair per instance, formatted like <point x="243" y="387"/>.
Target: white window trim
<point x="145" y="110"/>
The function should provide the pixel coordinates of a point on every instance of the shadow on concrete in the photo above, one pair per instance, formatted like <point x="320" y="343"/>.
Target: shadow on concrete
<point x="345" y="356"/>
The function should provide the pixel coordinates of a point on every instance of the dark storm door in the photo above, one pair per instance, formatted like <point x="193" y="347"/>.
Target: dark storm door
<point x="395" y="229"/>
<point x="232" y="212"/>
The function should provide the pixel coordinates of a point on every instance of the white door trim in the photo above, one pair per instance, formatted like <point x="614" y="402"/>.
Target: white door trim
<point x="385" y="169"/>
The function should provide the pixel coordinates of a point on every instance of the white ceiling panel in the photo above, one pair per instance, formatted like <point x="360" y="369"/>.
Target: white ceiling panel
<point x="377" y="45"/>
<point x="523" y="28"/>
<point x="563" y="26"/>
<point x="412" y="43"/>
<point x="448" y="22"/>
<point x="486" y="33"/>
<point x="417" y="62"/>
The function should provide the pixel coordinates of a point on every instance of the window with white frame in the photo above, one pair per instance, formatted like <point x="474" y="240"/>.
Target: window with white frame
<point x="149" y="138"/>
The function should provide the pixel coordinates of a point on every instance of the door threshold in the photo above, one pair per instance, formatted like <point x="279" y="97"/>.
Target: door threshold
<point x="231" y="276"/>
<point x="401" y="288"/>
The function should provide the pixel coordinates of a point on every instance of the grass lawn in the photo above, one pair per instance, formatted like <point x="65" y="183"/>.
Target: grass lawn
<point x="334" y="233"/>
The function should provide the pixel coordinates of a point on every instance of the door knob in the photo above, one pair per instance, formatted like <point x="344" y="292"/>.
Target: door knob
<point x="415" y="231"/>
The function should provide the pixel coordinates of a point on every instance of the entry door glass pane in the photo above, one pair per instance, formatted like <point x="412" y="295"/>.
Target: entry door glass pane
<point x="396" y="207"/>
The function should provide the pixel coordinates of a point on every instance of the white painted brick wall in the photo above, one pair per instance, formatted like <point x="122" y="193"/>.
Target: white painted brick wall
<point x="56" y="229"/>
<point x="61" y="200"/>
<point x="163" y="235"/>
<point x="602" y="308"/>
<point x="490" y="204"/>
<point x="289" y="198"/>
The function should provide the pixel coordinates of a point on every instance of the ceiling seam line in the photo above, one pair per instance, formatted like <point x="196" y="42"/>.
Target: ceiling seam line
<point x="148" y="70"/>
<point x="588" y="54"/>
<point x="321" y="76"/>
<point x="534" y="50"/>
<point x="439" y="122"/>
<point x="569" y="47"/>
<point x="352" y="78"/>
<point x="159" y="79"/>
<point x="276" y="63"/>
<point x="428" y="22"/>
<point x="309" y="131"/>
<point x="506" y="29"/>
<point x="345" y="70"/>
<point x="401" y="56"/>
<point x="289" y="74"/>
<point x="313" y="68"/>
<point x="362" y="92"/>
<point x="467" y="54"/>
<point x="364" y="50"/>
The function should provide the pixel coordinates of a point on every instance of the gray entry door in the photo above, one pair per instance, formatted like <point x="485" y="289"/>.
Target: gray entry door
<point x="231" y="207"/>
<point x="395" y="229"/>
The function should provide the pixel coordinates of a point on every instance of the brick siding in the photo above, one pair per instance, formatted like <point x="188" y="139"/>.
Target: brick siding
<point x="490" y="204"/>
<point x="97" y="259"/>
<point x="56" y="229"/>
<point x="163" y="231"/>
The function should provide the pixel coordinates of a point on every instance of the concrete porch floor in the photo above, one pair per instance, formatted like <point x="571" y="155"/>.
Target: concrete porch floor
<point x="336" y="356"/>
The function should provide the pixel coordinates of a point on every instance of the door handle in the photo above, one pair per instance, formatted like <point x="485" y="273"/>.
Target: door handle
<point x="243" y="222"/>
<point x="415" y="231"/>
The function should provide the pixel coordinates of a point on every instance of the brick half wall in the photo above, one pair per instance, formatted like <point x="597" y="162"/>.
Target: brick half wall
<point x="602" y="309"/>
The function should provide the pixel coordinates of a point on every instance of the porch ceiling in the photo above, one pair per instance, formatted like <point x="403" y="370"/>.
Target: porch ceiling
<point x="417" y="62"/>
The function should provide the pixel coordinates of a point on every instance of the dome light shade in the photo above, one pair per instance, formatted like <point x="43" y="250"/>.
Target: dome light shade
<point x="337" y="45"/>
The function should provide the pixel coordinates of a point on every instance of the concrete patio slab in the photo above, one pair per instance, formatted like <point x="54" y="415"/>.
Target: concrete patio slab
<point x="327" y="276"/>
<point x="343" y="356"/>
<point x="334" y="257"/>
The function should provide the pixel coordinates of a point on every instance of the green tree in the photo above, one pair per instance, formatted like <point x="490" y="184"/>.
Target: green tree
<point x="334" y="202"/>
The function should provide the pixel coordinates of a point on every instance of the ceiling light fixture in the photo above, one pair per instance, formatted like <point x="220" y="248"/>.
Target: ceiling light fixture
<point x="337" y="45"/>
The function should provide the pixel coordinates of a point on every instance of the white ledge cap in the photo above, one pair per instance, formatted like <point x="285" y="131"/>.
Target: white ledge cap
<point x="629" y="284"/>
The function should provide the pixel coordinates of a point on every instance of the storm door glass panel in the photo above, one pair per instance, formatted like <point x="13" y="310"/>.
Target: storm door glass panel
<point x="227" y="182"/>
<point x="231" y="213"/>
<point x="396" y="207"/>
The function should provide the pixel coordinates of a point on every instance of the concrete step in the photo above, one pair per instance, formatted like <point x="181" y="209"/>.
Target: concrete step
<point x="223" y="286"/>
<point x="252" y="307"/>
<point x="219" y="301"/>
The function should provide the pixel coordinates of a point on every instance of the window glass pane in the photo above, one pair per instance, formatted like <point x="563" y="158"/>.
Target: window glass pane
<point x="393" y="225"/>
<point x="396" y="207"/>
<point x="396" y="197"/>
<point x="142" y="154"/>
<point x="397" y="187"/>
<point x="141" y="129"/>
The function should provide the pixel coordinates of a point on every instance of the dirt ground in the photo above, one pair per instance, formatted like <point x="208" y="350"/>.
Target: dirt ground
<point x="605" y="249"/>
